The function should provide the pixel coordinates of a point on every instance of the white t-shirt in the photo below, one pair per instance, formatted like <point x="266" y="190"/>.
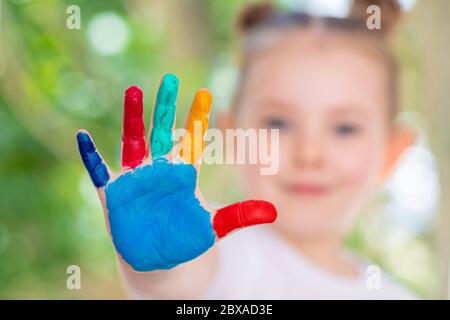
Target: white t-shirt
<point x="257" y="264"/>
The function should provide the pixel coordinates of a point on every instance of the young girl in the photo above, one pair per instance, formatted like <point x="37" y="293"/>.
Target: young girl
<point x="329" y="86"/>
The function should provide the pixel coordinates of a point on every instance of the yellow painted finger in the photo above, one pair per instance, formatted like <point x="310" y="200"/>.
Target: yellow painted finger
<point x="193" y="142"/>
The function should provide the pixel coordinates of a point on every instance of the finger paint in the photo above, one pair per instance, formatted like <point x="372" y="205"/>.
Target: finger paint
<point x="243" y="214"/>
<point x="193" y="143"/>
<point x="163" y="116"/>
<point x="155" y="218"/>
<point x="133" y="129"/>
<point x="92" y="161"/>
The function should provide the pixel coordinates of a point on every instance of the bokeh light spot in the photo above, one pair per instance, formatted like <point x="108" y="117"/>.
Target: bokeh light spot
<point x="108" y="33"/>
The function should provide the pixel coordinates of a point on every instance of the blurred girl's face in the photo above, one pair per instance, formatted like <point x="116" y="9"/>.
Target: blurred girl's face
<point x="329" y="99"/>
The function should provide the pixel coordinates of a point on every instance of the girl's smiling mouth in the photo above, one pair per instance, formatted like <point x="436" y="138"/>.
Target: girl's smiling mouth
<point x="307" y="189"/>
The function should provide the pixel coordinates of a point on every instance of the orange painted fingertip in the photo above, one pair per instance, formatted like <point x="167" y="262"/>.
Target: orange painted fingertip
<point x="203" y="100"/>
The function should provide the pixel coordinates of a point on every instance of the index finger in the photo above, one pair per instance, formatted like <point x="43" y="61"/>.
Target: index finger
<point x="193" y="142"/>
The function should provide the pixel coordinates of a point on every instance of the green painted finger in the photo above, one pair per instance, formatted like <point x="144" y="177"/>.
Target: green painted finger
<point x="163" y="116"/>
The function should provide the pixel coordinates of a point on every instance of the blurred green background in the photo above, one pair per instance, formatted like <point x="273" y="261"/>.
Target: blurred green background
<point x="55" y="80"/>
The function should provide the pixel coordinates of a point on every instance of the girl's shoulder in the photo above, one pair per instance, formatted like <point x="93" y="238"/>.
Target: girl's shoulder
<point x="258" y="264"/>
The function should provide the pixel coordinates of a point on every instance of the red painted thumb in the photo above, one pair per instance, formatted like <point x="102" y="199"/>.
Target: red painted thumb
<point x="243" y="214"/>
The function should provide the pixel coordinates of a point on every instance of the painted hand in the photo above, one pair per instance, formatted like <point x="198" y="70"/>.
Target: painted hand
<point x="152" y="207"/>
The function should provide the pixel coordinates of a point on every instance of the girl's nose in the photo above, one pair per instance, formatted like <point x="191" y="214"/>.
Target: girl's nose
<point x="309" y="152"/>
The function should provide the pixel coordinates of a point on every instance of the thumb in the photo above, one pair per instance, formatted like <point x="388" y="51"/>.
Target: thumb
<point x="243" y="214"/>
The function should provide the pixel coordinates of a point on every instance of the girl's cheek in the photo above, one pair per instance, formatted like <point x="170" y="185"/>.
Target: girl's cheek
<point x="357" y="163"/>
<point x="287" y="145"/>
<point x="256" y="185"/>
<point x="267" y="186"/>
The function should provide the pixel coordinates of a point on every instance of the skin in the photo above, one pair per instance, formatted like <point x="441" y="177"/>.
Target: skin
<point x="337" y="146"/>
<point x="329" y="99"/>
<point x="156" y="215"/>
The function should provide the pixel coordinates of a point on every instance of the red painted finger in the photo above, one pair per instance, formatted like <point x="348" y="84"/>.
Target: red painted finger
<point x="133" y="129"/>
<point x="243" y="214"/>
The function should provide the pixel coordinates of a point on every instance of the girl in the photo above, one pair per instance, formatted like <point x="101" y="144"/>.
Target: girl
<point x="329" y="86"/>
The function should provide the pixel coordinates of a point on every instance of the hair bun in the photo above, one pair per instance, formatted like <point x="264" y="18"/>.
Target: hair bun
<point x="390" y="12"/>
<point x="254" y="14"/>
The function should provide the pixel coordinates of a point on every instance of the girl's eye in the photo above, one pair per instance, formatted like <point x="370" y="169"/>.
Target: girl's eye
<point x="346" y="129"/>
<point x="276" y="123"/>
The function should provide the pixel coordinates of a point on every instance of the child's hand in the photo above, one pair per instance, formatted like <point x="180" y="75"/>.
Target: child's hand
<point x="152" y="207"/>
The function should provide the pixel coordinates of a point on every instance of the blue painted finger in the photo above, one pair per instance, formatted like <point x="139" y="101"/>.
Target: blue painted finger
<point x="92" y="161"/>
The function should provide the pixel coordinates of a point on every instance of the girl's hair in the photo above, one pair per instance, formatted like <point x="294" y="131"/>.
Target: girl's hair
<point x="261" y="23"/>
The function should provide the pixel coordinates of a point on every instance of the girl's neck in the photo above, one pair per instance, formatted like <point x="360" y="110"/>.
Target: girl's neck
<point x="326" y="252"/>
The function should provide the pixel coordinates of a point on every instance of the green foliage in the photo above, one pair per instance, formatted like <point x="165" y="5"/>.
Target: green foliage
<point x="54" y="80"/>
